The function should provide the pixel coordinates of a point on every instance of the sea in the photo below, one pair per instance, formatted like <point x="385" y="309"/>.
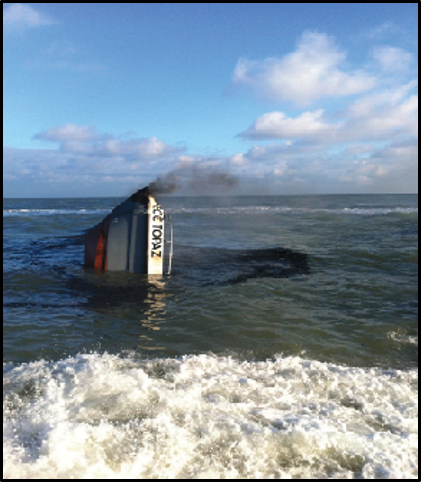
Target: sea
<point x="282" y="343"/>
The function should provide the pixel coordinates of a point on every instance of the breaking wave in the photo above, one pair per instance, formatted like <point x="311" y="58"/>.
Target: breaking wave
<point x="207" y="416"/>
<point x="232" y="210"/>
<point x="50" y="212"/>
<point x="291" y="210"/>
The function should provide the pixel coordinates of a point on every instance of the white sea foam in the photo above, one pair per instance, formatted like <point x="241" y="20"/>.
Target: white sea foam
<point x="237" y="210"/>
<point x="231" y="210"/>
<point x="50" y="212"/>
<point x="103" y="416"/>
<point x="403" y="338"/>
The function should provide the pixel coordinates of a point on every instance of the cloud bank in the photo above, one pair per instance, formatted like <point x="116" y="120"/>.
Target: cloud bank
<point x="88" y="162"/>
<point x="366" y="142"/>
<point x="370" y="146"/>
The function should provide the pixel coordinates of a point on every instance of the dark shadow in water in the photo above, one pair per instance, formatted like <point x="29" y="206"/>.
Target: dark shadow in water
<point x="218" y="266"/>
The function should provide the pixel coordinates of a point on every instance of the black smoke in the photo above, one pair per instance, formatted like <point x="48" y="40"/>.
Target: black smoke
<point x="194" y="180"/>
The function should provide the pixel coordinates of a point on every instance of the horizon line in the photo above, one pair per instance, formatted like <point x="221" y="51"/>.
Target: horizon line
<point x="220" y="196"/>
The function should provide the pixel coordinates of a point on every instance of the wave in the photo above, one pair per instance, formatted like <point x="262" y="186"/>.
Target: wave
<point x="51" y="212"/>
<point x="291" y="210"/>
<point x="207" y="416"/>
<point x="236" y="210"/>
<point x="403" y="338"/>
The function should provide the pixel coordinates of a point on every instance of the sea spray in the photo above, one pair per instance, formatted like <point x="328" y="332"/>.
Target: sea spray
<point x="207" y="416"/>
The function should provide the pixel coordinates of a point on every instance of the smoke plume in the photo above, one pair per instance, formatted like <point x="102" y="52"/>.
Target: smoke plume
<point x="193" y="180"/>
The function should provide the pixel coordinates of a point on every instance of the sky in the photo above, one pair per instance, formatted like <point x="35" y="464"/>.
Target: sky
<point x="100" y="99"/>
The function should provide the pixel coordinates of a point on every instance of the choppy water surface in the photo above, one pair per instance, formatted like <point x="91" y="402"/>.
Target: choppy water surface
<point x="284" y="343"/>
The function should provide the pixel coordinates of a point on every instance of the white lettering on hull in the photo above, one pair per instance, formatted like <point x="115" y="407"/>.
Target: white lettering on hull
<point x="155" y="238"/>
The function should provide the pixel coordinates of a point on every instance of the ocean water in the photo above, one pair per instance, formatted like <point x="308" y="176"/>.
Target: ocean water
<point x="284" y="343"/>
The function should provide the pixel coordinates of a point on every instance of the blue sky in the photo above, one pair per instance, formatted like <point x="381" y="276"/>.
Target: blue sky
<point x="100" y="99"/>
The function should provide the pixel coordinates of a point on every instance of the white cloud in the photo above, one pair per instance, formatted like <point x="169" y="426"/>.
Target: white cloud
<point x="370" y="146"/>
<point x="85" y="159"/>
<point x="388" y="115"/>
<point x="393" y="168"/>
<point x="366" y="104"/>
<point x="85" y="140"/>
<point x="276" y="125"/>
<point x="381" y="117"/>
<point x="68" y="132"/>
<point x="237" y="159"/>
<point x="392" y="59"/>
<point x="20" y="16"/>
<point x="135" y="149"/>
<point x="311" y="72"/>
<point x="309" y="168"/>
